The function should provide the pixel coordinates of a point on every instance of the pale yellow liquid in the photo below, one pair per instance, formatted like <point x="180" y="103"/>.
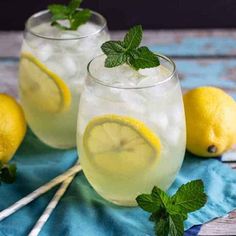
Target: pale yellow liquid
<point x="121" y="183"/>
<point x="55" y="129"/>
<point x="68" y="60"/>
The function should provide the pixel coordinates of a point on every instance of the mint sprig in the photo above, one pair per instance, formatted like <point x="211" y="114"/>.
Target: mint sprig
<point x="7" y="173"/>
<point x="70" y="13"/>
<point x="169" y="212"/>
<point x="129" y="52"/>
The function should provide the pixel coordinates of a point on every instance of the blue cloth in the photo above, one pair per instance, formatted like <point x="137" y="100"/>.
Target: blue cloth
<point x="83" y="212"/>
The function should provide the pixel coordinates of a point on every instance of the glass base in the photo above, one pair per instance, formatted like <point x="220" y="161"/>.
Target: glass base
<point x="123" y="203"/>
<point x="120" y="202"/>
<point x="58" y="145"/>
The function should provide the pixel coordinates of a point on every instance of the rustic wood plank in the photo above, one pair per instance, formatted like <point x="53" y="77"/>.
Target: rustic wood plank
<point x="169" y="42"/>
<point x="213" y="72"/>
<point x="10" y="43"/>
<point x="232" y="165"/>
<point x="222" y="226"/>
<point x="230" y="156"/>
<point x="8" y="77"/>
<point x="189" y="42"/>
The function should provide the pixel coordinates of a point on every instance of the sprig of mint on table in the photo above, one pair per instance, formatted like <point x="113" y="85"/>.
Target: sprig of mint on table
<point x="169" y="212"/>
<point x="129" y="52"/>
<point x="70" y="13"/>
<point x="7" y="173"/>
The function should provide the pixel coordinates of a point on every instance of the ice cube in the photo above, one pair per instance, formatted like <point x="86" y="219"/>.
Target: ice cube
<point x="162" y="71"/>
<point x="159" y="119"/>
<point x="45" y="52"/>
<point x="70" y="41"/>
<point x="152" y="76"/>
<point x="177" y="114"/>
<point x="147" y="81"/>
<point x="56" y="67"/>
<point x="148" y="71"/>
<point x="126" y="71"/>
<point x="88" y="28"/>
<point x="134" y="101"/>
<point x="69" y="35"/>
<point x="69" y="64"/>
<point x="172" y="135"/>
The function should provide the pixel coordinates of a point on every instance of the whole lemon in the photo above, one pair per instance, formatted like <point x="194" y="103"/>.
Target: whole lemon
<point x="210" y="120"/>
<point x="12" y="127"/>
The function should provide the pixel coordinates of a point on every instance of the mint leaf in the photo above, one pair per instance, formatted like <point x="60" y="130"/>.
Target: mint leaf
<point x="80" y="18"/>
<point x="143" y="58"/>
<point x="74" y="4"/>
<point x="169" y="213"/>
<point x="7" y="173"/>
<point x="176" y="210"/>
<point x="58" y="25"/>
<point x="162" y="227"/>
<point x="147" y="203"/>
<point x="176" y="225"/>
<point x="113" y="47"/>
<point x="134" y="37"/>
<point x="57" y="9"/>
<point x="115" y="60"/>
<point x="129" y="52"/>
<point x="70" y="13"/>
<point x="160" y="196"/>
<point x="59" y="12"/>
<point x="190" y="197"/>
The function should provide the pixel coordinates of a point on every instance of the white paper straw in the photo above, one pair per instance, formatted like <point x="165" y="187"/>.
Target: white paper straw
<point x="41" y="190"/>
<point x="51" y="206"/>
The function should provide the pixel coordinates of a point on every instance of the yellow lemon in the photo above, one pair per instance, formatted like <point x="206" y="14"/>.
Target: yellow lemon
<point x="211" y="121"/>
<point x="120" y="144"/>
<point x="12" y="127"/>
<point x="45" y="89"/>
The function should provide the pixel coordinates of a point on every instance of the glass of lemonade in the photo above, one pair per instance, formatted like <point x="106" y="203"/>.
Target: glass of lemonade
<point x="52" y="74"/>
<point x="131" y="129"/>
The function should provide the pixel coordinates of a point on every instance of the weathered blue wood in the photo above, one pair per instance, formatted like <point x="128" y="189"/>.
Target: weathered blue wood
<point x="211" y="72"/>
<point x="195" y="43"/>
<point x="168" y="42"/>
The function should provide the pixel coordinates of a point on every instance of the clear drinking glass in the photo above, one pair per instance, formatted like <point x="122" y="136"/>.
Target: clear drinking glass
<point x="52" y="74"/>
<point x="151" y="105"/>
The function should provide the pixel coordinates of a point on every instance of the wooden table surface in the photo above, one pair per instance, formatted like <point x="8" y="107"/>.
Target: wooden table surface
<point x="203" y="57"/>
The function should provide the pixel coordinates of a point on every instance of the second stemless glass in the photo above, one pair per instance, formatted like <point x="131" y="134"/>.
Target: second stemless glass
<point x="52" y="74"/>
<point x="158" y="105"/>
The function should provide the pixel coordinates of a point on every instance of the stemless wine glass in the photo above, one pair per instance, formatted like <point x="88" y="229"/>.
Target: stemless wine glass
<point x="52" y="73"/>
<point x="131" y="130"/>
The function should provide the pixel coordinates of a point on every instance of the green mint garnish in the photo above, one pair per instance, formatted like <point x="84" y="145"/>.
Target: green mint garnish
<point x="169" y="212"/>
<point x="7" y="173"/>
<point x="129" y="52"/>
<point x="69" y="13"/>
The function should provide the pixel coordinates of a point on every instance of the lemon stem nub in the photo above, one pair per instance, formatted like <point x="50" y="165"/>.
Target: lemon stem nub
<point x="212" y="149"/>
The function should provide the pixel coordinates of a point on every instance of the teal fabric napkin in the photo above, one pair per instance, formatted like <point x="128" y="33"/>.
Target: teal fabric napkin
<point x="83" y="212"/>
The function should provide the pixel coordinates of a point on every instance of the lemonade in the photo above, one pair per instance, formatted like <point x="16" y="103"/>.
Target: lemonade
<point x="52" y="74"/>
<point x="131" y="129"/>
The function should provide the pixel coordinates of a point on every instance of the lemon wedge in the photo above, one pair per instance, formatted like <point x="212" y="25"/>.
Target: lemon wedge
<point x="120" y="144"/>
<point x="42" y="87"/>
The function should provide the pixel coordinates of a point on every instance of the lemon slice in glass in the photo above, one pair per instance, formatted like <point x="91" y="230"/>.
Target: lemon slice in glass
<point x="42" y="87"/>
<point x="120" y="144"/>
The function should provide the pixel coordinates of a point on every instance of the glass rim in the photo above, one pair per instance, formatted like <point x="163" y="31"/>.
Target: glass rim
<point x="167" y="79"/>
<point x="40" y="13"/>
